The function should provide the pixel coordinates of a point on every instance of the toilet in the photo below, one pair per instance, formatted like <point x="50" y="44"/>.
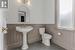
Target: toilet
<point x="45" y="37"/>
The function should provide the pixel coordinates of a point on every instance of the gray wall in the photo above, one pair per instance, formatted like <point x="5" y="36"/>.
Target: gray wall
<point x="67" y="37"/>
<point x="65" y="40"/>
<point x="14" y="38"/>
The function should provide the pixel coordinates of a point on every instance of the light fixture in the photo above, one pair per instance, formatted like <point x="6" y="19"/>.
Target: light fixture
<point x="27" y="2"/>
<point x="19" y="1"/>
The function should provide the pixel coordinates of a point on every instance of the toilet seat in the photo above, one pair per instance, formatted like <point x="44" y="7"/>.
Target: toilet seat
<point x="47" y="36"/>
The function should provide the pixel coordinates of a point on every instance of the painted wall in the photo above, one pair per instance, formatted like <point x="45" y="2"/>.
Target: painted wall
<point x="40" y="12"/>
<point x="12" y="11"/>
<point x="49" y="11"/>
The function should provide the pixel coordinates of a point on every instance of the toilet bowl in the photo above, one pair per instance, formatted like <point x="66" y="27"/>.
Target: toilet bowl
<point x="45" y="37"/>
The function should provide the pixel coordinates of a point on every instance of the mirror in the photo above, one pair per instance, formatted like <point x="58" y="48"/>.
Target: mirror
<point x="24" y="14"/>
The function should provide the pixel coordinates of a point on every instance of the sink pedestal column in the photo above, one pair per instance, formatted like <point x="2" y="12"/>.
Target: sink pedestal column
<point x="25" y="45"/>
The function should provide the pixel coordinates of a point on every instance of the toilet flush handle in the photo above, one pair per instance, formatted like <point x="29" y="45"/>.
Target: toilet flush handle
<point x="59" y="34"/>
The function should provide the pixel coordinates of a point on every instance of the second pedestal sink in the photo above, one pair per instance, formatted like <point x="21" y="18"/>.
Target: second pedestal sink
<point x="24" y="30"/>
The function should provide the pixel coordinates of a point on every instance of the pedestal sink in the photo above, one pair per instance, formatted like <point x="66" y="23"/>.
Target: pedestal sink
<point x="24" y="30"/>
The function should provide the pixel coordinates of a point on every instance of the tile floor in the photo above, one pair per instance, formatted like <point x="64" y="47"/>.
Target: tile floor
<point x="40" y="46"/>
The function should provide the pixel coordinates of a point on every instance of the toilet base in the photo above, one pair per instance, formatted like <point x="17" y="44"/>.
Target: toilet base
<point x="46" y="42"/>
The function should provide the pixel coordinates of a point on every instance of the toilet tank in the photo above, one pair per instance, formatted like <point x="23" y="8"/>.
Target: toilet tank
<point x="41" y="30"/>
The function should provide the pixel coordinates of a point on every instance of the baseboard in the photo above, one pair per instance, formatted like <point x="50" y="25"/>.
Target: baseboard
<point x="57" y="45"/>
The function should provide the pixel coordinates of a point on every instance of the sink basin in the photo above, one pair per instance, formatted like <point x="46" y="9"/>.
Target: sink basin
<point x="24" y="30"/>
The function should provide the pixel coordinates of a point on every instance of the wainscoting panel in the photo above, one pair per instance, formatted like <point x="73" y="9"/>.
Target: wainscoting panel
<point x="14" y="38"/>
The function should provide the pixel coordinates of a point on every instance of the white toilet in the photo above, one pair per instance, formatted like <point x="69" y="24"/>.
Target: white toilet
<point x="45" y="37"/>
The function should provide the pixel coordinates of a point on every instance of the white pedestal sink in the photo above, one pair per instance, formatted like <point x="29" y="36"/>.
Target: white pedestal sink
<point x="24" y="30"/>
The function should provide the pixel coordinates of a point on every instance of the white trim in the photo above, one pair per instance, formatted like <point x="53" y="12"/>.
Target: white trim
<point x="66" y="28"/>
